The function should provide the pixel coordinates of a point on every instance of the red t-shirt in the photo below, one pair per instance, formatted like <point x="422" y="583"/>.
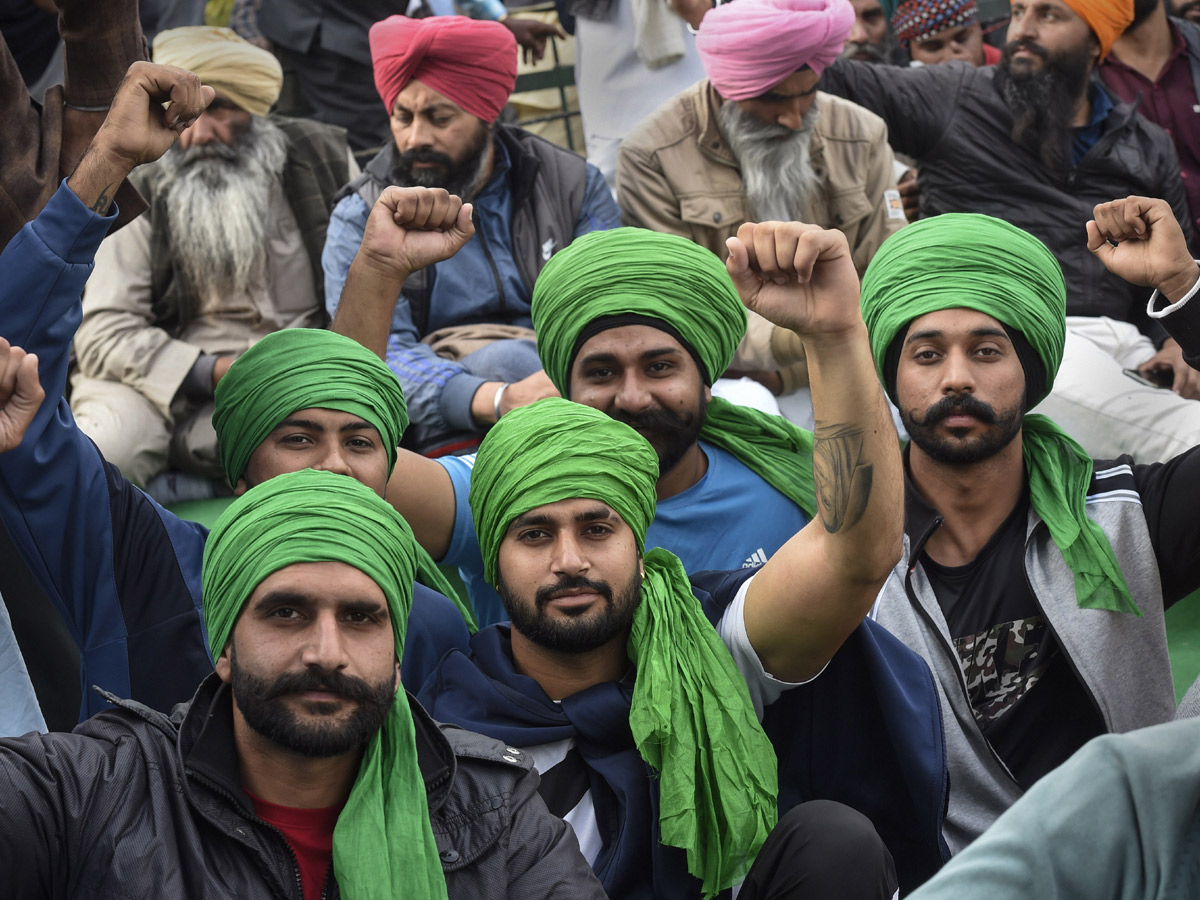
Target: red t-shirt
<point x="310" y="834"/>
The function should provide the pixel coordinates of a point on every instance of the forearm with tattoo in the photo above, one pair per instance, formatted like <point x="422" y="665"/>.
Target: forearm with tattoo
<point x="842" y="479"/>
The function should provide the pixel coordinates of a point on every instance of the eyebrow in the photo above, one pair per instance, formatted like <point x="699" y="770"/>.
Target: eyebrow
<point x="657" y="353"/>
<point x="311" y="425"/>
<point x="427" y="108"/>
<point x="986" y="331"/>
<point x="776" y="96"/>
<point x="595" y="514"/>
<point x="304" y="601"/>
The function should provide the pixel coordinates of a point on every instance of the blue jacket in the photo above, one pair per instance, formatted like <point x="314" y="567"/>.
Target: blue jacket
<point x="123" y="572"/>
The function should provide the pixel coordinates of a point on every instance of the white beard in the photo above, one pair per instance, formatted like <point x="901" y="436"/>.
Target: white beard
<point x="218" y="206"/>
<point x="777" y="174"/>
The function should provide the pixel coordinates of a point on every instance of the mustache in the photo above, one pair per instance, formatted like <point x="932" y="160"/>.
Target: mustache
<point x="957" y="404"/>
<point x="425" y="155"/>
<point x="1025" y="44"/>
<point x="315" y="680"/>
<point x="651" y="419"/>
<point x="571" y="583"/>
<point x="212" y="150"/>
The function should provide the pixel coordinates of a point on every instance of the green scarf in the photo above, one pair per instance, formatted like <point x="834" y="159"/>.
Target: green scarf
<point x="383" y="846"/>
<point x="302" y="368"/>
<point x="981" y="263"/>
<point x="691" y="715"/>
<point x="667" y="278"/>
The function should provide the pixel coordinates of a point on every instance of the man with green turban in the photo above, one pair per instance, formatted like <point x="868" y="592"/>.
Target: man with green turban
<point x="122" y="572"/>
<point x="299" y="763"/>
<point x="638" y="325"/>
<point x="1034" y="578"/>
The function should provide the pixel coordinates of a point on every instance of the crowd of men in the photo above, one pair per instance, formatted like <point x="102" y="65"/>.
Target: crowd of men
<point x="817" y="459"/>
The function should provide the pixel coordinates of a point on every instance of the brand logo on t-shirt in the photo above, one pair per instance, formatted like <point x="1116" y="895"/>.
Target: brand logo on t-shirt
<point x="757" y="558"/>
<point x="548" y="248"/>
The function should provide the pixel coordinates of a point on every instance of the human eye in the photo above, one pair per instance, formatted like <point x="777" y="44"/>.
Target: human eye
<point x="532" y="535"/>
<point x="926" y="355"/>
<point x="598" y="530"/>
<point x="284" y="614"/>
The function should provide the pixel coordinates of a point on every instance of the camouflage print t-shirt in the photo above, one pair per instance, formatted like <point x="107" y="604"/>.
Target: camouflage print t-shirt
<point x="1027" y="700"/>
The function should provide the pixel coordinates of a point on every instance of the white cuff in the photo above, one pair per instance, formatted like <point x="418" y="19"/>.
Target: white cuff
<point x="1174" y="307"/>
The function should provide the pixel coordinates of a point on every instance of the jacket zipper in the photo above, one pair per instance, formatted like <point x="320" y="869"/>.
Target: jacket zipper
<point x="236" y="804"/>
<point x="1062" y="647"/>
<point x="491" y="262"/>
<point x="946" y="645"/>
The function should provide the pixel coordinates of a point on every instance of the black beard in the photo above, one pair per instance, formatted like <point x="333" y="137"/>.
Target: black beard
<point x="1043" y="101"/>
<point x="1141" y="11"/>
<point x="261" y="706"/>
<point x="588" y="631"/>
<point x="461" y="180"/>
<point x="951" y="452"/>
<point x="671" y="434"/>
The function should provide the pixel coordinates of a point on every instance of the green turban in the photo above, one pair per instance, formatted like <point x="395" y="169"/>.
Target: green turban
<point x="971" y="261"/>
<point x="631" y="274"/>
<point x="691" y="714"/>
<point x="303" y="368"/>
<point x="383" y="846"/>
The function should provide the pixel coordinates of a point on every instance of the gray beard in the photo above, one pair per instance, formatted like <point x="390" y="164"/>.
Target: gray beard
<point x="777" y="174"/>
<point x="218" y="205"/>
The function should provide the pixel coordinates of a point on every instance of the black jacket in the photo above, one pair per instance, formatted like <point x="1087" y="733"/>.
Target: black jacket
<point x="135" y="804"/>
<point x="953" y="121"/>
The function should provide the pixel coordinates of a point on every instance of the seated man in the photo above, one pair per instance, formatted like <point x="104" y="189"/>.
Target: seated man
<point x="1037" y="142"/>
<point x="123" y="572"/>
<point x="460" y="331"/>
<point x="229" y="252"/>
<point x="638" y="325"/>
<point x="1035" y="579"/>
<point x="301" y="734"/>
<point x="938" y="31"/>
<point x="756" y="141"/>
<point x="613" y="678"/>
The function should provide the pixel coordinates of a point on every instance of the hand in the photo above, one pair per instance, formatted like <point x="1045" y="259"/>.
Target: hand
<point x="795" y="275"/>
<point x="138" y="129"/>
<point x="519" y="393"/>
<point x="909" y="195"/>
<point x="21" y="394"/>
<point x="1185" y="381"/>
<point x="411" y="228"/>
<point x="531" y="35"/>
<point x="529" y="389"/>
<point x="691" y="11"/>
<point x="220" y="367"/>
<point x="1150" y="248"/>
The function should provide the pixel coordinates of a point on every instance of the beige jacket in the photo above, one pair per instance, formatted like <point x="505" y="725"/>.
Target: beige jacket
<point x="677" y="174"/>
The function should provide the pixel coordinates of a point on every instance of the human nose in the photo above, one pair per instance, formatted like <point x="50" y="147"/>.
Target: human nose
<point x="334" y="460"/>
<point x="418" y="134"/>
<point x="569" y="558"/>
<point x="324" y="647"/>
<point x="792" y="116"/>
<point x="957" y="375"/>
<point x="858" y="34"/>
<point x="632" y="395"/>
<point x="201" y="132"/>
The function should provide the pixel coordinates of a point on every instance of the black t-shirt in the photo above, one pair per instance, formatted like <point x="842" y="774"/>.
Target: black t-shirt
<point x="1028" y="702"/>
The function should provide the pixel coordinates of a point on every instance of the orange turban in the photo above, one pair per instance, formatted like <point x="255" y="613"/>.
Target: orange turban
<point x="1108" y="19"/>
<point x="472" y="63"/>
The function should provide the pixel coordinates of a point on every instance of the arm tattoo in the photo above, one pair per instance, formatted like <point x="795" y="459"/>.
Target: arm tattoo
<point x="103" y="202"/>
<point x="843" y="479"/>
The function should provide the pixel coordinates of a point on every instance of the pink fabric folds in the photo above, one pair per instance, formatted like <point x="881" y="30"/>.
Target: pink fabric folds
<point x="471" y="62"/>
<point x="750" y="46"/>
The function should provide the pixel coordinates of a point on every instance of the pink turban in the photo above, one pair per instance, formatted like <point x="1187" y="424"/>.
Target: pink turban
<point x="472" y="63"/>
<point x="750" y="46"/>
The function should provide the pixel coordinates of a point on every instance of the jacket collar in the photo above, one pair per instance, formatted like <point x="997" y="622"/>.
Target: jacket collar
<point x="206" y="745"/>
